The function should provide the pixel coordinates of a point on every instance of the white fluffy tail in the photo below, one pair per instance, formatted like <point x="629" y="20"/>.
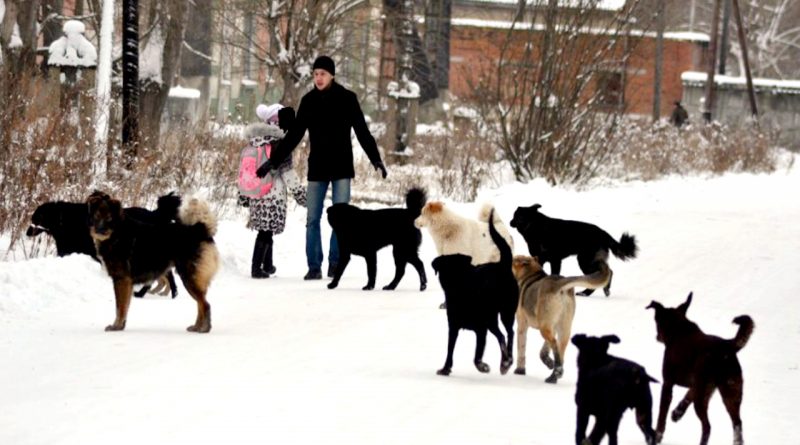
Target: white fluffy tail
<point x="196" y="211"/>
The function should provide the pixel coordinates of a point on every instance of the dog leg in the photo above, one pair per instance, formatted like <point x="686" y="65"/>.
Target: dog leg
<point x="644" y="418"/>
<point x="123" y="288"/>
<point x="666" y="399"/>
<point x="198" y="291"/>
<point x="399" y="269"/>
<point x="607" y="289"/>
<point x="522" y="340"/>
<point x="555" y="267"/>
<point x="344" y="258"/>
<point x="556" y="365"/>
<point x="141" y="292"/>
<point x="586" y="262"/>
<point x="173" y="288"/>
<point x="598" y="431"/>
<point x="680" y="409"/>
<point x="452" y="336"/>
<point x="480" y="347"/>
<point x="372" y="270"/>
<point x="508" y="322"/>
<point x="701" y="409"/>
<point x="732" y="398"/>
<point x="544" y="355"/>
<point x="580" y="429"/>
<point x="423" y="279"/>
<point x="505" y="360"/>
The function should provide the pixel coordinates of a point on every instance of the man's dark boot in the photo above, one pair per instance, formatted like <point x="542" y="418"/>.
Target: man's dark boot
<point x="313" y="274"/>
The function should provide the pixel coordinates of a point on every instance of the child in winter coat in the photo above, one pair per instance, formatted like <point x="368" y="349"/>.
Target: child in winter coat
<point x="268" y="213"/>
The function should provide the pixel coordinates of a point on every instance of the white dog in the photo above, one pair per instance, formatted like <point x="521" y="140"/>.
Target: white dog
<point x="453" y="233"/>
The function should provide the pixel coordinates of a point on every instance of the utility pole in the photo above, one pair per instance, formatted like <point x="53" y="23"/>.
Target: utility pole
<point x="723" y="50"/>
<point x="748" y="75"/>
<point x="659" y="70"/>
<point x="712" y="62"/>
<point x="130" y="81"/>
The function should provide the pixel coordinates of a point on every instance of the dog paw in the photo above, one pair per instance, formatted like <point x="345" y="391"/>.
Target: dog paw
<point x="422" y="287"/>
<point x="332" y="285"/>
<point x="444" y="371"/>
<point x="659" y="436"/>
<point x="115" y="327"/>
<point x="443" y="305"/>
<point x="482" y="367"/>
<point x="519" y="371"/>
<point x="585" y="292"/>
<point x="368" y="287"/>
<point x="552" y="379"/>
<point x="505" y="365"/>
<point x="388" y="287"/>
<point x="607" y="292"/>
<point x="200" y="328"/>
<point x="547" y="361"/>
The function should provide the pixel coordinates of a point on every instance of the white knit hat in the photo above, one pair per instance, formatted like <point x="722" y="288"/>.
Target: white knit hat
<point x="268" y="113"/>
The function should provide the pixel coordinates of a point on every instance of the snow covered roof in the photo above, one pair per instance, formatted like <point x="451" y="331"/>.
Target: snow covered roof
<point x="73" y="49"/>
<point x="697" y="78"/>
<point x="186" y="93"/>
<point x="607" y="5"/>
<point x="507" y="24"/>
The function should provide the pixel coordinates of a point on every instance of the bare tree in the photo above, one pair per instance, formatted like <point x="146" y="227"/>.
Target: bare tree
<point x="556" y="90"/>
<point x="296" y="32"/>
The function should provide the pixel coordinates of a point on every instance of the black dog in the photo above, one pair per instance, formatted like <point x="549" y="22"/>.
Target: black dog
<point x="607" y="386"/>
<point x="363" y="232"/>
<point x="66" y="222"/>
<point x="474" y="296"/>
<point x="134" y="252"/>
<point x="703" y="363"/>
<point x="552" y="240"/>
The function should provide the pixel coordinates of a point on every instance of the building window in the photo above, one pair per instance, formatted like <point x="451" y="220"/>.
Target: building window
<point x="610" y="88"/>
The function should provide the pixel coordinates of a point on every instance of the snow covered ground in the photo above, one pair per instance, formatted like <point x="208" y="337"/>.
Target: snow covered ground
<point x="290" y="361"/>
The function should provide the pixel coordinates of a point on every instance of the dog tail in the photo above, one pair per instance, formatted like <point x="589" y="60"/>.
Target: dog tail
<point x="197" y="211"/>
<point x="746" y="327"/>
<point x="626" y="248"/>
<point x="506" y="255"/>
<point x="415" y="200"/>
<point x="594" y="280"/>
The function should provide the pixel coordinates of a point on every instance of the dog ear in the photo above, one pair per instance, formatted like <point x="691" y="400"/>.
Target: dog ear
<point x="655" y="305"/>
<point x="578" y="339"/>
<point x="611" y="338"/>
<point x="685" y="305"/>
<point x="536" y="207"/>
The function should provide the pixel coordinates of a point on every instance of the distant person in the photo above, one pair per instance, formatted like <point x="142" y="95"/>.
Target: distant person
<point x="267" y="199"/>
<point x="679" y="115"/>
<point x="328" y="112"/>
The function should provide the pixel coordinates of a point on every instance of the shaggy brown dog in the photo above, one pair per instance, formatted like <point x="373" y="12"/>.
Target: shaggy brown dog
<point x="547" y="303"/>
<point x="133" y="252"/>
<point x="701" y="362"/>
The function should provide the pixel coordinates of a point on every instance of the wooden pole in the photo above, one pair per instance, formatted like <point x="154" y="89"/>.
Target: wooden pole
<point x="712" y="56"/>
<point x="723" y="50"/>
<point x="659" y="69"/>
<point x="748" y="75"/>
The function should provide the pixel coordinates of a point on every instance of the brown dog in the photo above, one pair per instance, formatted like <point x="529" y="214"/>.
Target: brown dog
<point x="547" y="303"/>
<point x="134" y="252"/>
<point x="701" y="362"/>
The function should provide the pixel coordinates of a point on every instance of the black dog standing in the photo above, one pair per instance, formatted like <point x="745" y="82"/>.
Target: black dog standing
<point x="552" y="240"/>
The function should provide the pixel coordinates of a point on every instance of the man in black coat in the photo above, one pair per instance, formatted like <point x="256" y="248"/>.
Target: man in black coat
<point x="328" y="112"/>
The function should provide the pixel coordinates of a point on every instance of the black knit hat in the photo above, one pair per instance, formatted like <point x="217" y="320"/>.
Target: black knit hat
<point x="325" y="63"/>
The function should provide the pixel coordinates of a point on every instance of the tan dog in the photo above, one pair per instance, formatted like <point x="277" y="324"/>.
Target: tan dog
<point x="547" y="303"/>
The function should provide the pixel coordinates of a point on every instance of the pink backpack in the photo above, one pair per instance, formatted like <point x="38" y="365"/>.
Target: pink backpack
<point x="250" y="185"/>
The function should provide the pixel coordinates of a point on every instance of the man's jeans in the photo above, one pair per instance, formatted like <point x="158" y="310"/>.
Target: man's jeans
<point x="315" y="200"/>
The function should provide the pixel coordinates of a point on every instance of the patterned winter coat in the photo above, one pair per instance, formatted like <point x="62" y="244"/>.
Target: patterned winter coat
<point x="269" y="211"/>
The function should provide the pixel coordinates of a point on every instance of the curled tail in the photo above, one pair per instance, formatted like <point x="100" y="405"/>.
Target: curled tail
<point x="746" y="327"/>
<point x="626" y="248"/>
<point x="415" y="200"/>
<point x="594" y="280"/>
<point x="506" y="255"/>
<point x="197" y="211"/>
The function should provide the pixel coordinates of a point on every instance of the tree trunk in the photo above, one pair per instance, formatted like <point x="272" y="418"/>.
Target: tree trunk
<point x="130" y="81"/>
<point x="154" y="96"/>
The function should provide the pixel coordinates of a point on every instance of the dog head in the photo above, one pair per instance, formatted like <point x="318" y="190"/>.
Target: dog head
<point x="524" y="265"/>
<point x="429" y="212"/>
<point x="594" y="345"/>
<point x="524" y="217"/>
<point x="670" y="320"/>
<point x="105" y="214"/>
<point x="45" y="219"/>
<point x="167" y="206"/>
